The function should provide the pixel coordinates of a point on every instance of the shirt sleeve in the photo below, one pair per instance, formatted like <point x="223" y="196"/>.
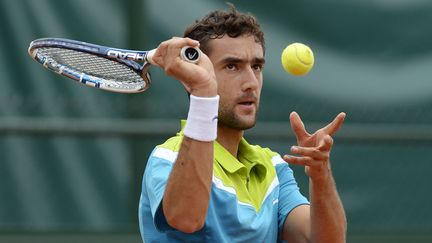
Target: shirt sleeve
<point x="156" y="176"/>
<point x="289" y="193"/>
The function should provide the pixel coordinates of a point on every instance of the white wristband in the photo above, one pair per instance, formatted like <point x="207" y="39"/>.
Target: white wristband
<point x="202" y="119"/>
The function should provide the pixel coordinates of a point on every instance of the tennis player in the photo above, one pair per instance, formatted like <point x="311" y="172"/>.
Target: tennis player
<point x="207" y="183"/>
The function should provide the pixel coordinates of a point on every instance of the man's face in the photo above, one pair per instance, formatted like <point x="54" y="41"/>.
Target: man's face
<point x="238" y="64"/>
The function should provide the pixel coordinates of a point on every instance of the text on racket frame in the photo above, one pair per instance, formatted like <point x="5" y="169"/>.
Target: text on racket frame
<point x="126" y="55"/>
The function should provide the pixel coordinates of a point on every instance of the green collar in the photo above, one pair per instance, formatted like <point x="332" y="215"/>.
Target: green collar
<point x="248" y="158"/>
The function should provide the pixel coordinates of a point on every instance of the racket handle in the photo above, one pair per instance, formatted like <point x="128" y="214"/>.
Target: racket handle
<point x="187" y="53"/>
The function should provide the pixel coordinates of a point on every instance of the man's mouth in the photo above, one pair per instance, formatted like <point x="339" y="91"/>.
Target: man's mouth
<point x="247" y="100"/>
<point x="246" y="103"/>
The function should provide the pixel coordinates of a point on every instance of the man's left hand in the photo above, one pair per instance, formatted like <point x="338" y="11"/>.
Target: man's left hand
<point x="313" y="150"/>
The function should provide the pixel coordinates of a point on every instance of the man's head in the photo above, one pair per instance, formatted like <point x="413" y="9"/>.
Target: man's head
<point x="234" y="43"/>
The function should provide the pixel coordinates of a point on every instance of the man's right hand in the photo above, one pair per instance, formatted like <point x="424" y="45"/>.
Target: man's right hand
<point x="198" y="78"/>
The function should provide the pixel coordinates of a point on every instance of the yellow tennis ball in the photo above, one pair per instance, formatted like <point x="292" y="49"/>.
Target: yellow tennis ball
<point x="297" y="59"/>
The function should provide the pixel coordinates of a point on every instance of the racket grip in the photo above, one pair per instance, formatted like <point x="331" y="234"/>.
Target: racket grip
<point x="187" y="53"/>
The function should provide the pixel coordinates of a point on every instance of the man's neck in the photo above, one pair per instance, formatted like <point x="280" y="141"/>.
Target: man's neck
<point x="229" y="138"/>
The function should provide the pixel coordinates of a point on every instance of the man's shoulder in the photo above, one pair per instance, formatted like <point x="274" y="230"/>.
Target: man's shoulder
<point x="166" y="151"/>
<point x="172" y="143"/>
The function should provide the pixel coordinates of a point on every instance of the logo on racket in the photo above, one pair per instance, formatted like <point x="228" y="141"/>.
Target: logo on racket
<point x="126" y="55"/>
<point x="190" y="54"/>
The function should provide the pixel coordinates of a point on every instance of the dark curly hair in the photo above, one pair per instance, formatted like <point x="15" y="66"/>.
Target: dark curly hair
<point x="219" y="23"/>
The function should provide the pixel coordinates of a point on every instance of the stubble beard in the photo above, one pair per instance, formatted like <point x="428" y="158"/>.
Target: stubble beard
<point x="228" y="118"/>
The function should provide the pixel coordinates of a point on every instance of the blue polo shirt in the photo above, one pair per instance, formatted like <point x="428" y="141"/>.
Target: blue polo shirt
<point x="251" y="196"/>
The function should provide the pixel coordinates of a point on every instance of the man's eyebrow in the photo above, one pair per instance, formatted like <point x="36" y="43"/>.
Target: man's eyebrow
<point x="232" y="60"/>
<point x="259" y="61"/>
<point x="256" y="60"/>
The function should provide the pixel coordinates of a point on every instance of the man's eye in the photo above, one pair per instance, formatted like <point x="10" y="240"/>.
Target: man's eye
<point x="231" y="67"/>
<point x="258" y="67"/>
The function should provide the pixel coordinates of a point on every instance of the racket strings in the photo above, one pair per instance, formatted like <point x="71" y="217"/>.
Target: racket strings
<point x="93" y="65"/>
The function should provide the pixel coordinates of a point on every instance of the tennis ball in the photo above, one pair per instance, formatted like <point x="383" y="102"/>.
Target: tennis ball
<point x="297" y="59"/>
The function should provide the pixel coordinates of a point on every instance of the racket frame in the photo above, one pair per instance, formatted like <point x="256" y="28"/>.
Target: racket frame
<point x="125" y="57"/>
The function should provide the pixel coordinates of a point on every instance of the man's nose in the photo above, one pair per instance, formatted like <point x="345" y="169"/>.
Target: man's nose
<point x="250" y="79"/>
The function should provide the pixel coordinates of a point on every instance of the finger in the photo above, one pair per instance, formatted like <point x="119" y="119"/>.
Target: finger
<point x="192" y="42"/>
<point x="303" y="161"/>
<point x="313" y="152"/>
<point x="325" y="144"/>
<point x="178" y="43"/>
<point x="298" y="126"/>
<point x="183" y="41"/>
<point x="335" y="125"/>
<point x="173" y="64"/>
<point x="174" y="45"/>
<point x="160" y="53"/>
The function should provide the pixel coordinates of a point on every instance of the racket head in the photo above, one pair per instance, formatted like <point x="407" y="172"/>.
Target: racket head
<point x="91" y="65"/>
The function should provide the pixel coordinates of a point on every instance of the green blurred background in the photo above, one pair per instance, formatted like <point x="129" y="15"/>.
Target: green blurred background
<point x="72" y="157"/>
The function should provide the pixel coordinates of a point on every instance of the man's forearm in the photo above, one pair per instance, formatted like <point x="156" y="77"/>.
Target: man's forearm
<point x="328" y="220"/>
<point x="187" y="193"/>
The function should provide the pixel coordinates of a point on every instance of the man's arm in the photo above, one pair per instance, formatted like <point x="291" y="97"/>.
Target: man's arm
<point x="324" y="220"/>
<point x="328" y="221"/>
<point x="187" y="192"/>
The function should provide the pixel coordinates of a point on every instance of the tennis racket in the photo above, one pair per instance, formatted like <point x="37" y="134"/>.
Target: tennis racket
<point x="102" y="67"/>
